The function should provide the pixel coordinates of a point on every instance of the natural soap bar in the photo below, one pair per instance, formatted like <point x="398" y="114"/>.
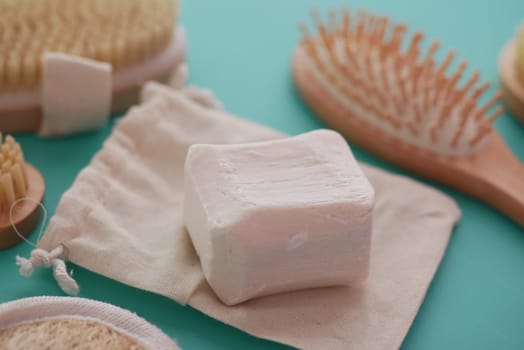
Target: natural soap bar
<point x="278" y="216"/>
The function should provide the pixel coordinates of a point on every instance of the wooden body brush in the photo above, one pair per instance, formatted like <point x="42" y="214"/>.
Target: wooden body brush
<point x="137" y="37"/>
<point x="21" y="192"/>
<point x="511" y="72"/>
<point x="404" y="108"/>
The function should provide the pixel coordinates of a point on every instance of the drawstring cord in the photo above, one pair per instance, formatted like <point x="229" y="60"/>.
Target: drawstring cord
<point x="56" y="258"/>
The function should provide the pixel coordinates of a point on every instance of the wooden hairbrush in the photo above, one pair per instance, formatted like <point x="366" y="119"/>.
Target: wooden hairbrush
<point x="21" y="192"/>
<point x="137" y="37"/>
<point x="404" y="108"/>
<point x="511" y="73"/>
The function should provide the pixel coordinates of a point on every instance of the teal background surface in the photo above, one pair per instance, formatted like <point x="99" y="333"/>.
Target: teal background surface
<point x="241" y="49"/>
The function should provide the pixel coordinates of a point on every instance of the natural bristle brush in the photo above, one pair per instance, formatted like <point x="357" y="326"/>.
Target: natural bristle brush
<point x="21" y="192"/>
<point x="399" y="104"/>
<point x="511" y="72"/>
<point x="139" y="39"/>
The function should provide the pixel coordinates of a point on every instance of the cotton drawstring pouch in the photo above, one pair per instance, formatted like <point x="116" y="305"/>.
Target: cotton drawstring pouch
<point x="122" y="218"/>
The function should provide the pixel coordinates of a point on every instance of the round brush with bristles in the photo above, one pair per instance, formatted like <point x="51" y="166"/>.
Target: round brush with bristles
<point x="511" y="72"/>
<point x="137" y="37"/>
<point x="397" y="102"/>
<point x="21" y="192"/>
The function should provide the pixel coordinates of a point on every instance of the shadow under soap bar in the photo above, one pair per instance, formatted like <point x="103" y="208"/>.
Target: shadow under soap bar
<point x="278" y="216"/>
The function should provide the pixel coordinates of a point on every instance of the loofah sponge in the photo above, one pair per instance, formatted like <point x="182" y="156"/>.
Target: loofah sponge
<point x="64" y="334"/>
<point x="61" y="323"/>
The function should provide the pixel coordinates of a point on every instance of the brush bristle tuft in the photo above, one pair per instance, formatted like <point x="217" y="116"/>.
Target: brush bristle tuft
<point x="13" y="176"/>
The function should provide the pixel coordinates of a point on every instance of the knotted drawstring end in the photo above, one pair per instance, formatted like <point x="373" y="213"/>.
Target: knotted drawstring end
<point x="55" y="258"/>
<point x="39" y="257"/>
<point x="26" y="266"/>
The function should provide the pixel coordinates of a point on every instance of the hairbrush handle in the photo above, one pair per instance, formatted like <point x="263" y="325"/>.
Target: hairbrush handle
<point x="504" y="184"/>
<point x="495" y="176"/>
<point x="509" y="195"/>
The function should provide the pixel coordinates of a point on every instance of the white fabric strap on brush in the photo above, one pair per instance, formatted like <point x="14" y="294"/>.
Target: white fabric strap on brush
<point x="76" y="94"/>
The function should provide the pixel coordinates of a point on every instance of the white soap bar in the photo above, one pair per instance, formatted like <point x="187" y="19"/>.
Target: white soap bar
<point x="76" y="94"/>
<point x="278" y="216"/>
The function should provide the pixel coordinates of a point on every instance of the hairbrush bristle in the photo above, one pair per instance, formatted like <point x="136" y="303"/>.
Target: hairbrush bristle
<point x="120" y="32"/>
<point x="13" y="176"/>
<point x="364" y="65"/>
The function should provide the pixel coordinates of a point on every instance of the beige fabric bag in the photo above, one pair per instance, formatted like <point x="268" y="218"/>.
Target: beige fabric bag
<point x="122" y="218"/>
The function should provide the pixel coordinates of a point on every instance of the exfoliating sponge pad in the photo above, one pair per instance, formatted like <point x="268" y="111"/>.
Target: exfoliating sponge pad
<point x="66" y="334"/>
<point x="137" y="38"/>
<point x="278" y="216"/>
<point x="61" y="323"/>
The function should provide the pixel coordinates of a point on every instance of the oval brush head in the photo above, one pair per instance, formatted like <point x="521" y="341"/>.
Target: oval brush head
<point x="360" y="75"/>
<point x="18" y="180"/>
<point x="361" y="61"/>
<point x="137" y="37"/>
<point x="511" y="72"/>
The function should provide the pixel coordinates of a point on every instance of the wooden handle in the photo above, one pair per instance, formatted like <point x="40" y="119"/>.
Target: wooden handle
<point x="505" y="188"/>
<point x="496" y="177"/>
